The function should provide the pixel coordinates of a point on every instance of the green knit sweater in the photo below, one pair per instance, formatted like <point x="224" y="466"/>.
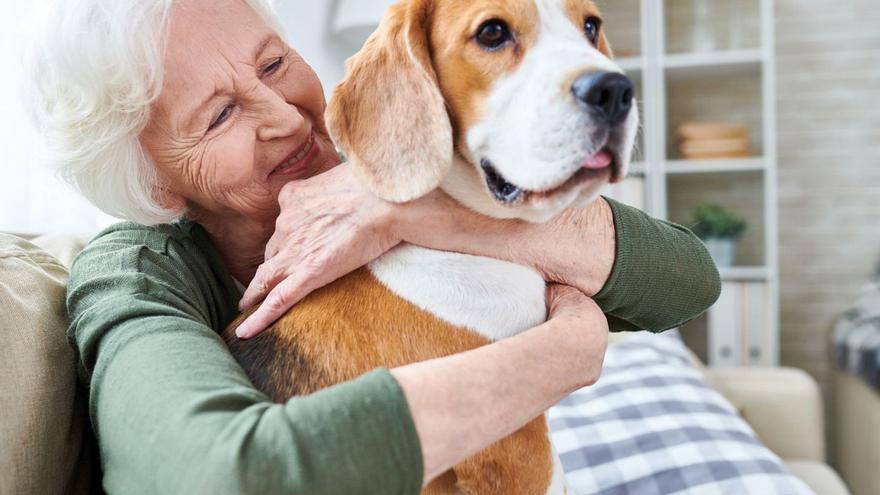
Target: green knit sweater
<point x="174" y="413"/>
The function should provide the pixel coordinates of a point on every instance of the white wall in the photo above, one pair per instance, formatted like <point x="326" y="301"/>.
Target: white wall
<point x="328" y="33"/>
<point x="829" y="169"/>
<point x="307" y="25"/>
<point x="32" y="199"/>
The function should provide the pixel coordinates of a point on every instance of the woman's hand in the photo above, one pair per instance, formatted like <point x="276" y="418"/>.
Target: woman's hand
<point x="571" y="311"/>
<point x="329" y="226"/>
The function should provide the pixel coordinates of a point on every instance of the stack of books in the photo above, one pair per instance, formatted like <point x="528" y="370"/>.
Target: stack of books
<point x="709" y="140"/>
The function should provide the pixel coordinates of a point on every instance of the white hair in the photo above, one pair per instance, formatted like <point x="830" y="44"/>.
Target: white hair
<point x="96" y="68"/>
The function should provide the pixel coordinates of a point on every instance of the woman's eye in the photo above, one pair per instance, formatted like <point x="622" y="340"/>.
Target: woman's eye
<point x="592" y="25"/>
<point x="222" y="117"/>
<point x="492" y="34"/>
<point x="273" y="66"/>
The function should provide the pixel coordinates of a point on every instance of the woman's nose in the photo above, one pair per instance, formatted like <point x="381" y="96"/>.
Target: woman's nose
<point x="280" y="119"/>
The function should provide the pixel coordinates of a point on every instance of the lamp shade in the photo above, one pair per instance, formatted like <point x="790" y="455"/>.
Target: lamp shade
<point x="355" y="20"/>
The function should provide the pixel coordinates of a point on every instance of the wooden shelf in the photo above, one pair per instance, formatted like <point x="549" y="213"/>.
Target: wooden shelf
<point x="757" y="164"/>
<point x="751" y="273"/>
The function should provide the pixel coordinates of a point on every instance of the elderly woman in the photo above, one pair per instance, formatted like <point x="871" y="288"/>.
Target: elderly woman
<point x="181" y="116"/>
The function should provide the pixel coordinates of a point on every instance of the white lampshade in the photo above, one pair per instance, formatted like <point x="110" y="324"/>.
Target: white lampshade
<point x="355" y="20"/>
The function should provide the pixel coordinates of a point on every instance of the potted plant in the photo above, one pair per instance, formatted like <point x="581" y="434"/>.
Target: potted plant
<point x="719" y="229"/>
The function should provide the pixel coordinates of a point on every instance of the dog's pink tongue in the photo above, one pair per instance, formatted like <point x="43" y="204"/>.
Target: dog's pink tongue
<point x="601" y="159"/>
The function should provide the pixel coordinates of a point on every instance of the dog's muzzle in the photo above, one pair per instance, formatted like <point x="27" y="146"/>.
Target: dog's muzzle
<point x="608" y="97"/>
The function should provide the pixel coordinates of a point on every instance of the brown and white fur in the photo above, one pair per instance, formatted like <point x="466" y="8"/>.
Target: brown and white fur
<point x="424" y="105"/>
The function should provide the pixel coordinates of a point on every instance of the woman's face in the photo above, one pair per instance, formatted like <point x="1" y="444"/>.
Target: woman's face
<point x="240" y="114"/>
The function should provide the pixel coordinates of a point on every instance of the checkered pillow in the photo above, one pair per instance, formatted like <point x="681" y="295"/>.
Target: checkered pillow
<point x="652" y="426"/>
<point x="857" y="336"/>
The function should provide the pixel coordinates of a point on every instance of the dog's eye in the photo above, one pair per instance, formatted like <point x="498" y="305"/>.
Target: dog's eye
<point x="492" y="34"/>
<point x="592" y="25"/>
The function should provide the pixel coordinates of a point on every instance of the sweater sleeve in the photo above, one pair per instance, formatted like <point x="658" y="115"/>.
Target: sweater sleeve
<point x="663" y="275"/>
<point x="174" y="413"/>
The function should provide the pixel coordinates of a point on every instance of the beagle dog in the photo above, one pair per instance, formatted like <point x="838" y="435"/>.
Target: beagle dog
<point x="513" y="108"/>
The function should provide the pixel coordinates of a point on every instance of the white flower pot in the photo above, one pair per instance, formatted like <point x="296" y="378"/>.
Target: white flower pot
<point x="722" y="250"/>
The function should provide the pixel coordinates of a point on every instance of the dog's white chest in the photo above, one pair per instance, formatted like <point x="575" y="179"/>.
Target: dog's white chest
<point x="494" y="298"/>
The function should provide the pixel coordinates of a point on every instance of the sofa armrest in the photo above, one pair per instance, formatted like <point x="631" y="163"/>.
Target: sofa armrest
<point x="783" y="406"/>
<point x="855" y="431"/>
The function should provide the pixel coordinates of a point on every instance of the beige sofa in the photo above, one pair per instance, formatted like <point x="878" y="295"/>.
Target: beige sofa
<point x="44" y="434"/>
<point x="855" y="430"/>
<point x="44" y="429"/>
<point x="784" y="407"/>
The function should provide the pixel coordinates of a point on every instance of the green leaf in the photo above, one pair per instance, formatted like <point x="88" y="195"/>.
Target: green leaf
<point x="711" y="220"/>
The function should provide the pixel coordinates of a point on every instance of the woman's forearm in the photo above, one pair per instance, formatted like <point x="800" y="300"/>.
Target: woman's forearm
<point x="462" y="404"/>
<point x="576" y="248"/>
<point x="645" y="273"/>
<point x="663" y="276"/>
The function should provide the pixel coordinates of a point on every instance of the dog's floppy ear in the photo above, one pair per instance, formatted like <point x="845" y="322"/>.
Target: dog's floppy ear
<point x="388" y="116"/>
<point x="604" y="46"/>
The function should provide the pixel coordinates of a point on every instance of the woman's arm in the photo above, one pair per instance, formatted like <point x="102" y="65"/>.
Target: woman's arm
<point x="462" y="404"/>
<point x="576" y="248"/>
<point x="645" y="273"/>
<point x="174" y="413"/>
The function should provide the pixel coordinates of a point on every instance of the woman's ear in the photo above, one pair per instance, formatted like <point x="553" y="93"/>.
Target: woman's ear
<point x="388" y="116"/>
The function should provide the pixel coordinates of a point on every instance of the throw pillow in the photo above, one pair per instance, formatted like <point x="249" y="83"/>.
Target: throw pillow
<point x="43" y="423"/>
<point x="653" y="426"/>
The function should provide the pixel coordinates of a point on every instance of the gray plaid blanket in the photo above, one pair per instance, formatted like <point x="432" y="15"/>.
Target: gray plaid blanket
<point x="857" y="335"/>
<point x="652" y="426"/>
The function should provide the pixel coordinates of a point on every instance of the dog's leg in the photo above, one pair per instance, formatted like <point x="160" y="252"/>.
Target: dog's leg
<point x="520" y="464"/>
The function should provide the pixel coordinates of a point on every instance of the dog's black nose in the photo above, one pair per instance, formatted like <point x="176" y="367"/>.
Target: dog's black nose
<point x="608" y="95"/>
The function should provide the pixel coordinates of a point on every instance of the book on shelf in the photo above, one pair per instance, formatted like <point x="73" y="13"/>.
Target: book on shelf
<point x="739" y="326"/>
<point x="711" y="140"/>
<point x="631" y="191"/>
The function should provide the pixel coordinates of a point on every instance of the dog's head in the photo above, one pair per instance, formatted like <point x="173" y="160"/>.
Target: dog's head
<point x="513" y="107"/>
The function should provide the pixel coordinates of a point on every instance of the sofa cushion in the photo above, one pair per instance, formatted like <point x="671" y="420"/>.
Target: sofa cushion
<point x="652" y="425"/>
<point x="42" y="414"/>
<point x="783" y="405"/>
<point x="819" y="476"/>
<point x="64" y="248"/>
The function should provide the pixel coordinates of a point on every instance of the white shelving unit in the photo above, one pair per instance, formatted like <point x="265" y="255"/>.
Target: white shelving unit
<point x="648" y="37"/>
<point x="696" y="62"/>
<point x="755" y="273"/>
<point x="647" y="25"/>
<point x="715" y="166"/>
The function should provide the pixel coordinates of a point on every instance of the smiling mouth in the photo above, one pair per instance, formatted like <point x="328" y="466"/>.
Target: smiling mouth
<point x="509" y="194"/>
<point x="295" y="160"/>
